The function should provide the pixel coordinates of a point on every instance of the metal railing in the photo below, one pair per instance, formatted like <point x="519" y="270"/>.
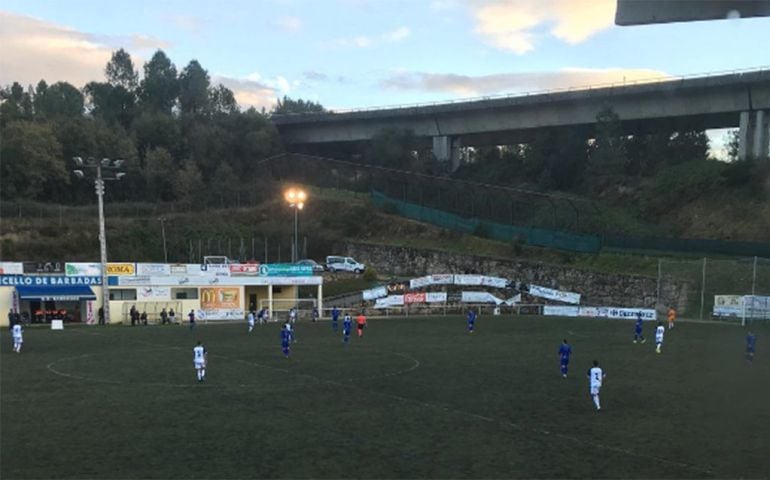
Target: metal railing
<point x="576" y="88"/>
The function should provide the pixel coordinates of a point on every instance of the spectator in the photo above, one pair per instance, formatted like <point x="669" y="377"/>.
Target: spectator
<point x="163" y="316"/>
<point x="171" y="316"/>
<point x="100" y="314"/>
<point x="143" y="318"/>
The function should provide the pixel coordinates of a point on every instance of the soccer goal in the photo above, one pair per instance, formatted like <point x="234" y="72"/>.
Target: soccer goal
<point x="755" y="308"/>
<point x="282" y="307"/>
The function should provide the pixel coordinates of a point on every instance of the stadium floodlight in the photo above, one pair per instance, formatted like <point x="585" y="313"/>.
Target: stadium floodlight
<point x="296" y="198"/>
<point x="99" y="183"/>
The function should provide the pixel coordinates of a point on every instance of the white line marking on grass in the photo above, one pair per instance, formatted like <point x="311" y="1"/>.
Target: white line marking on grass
<point x="415" y="365"/>
<point x="575" y="334"/>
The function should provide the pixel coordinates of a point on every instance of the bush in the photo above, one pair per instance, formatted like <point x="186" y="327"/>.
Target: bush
<point x="517" y="243"/>
<point x="390" y="208"/>
<point x="482" y="230"/>
<point x="370" y="274"/>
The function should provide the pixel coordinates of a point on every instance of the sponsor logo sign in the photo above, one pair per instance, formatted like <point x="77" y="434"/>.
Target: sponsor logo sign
<point x="284" y="270"/>
<point x="728" y="305"/>
<point x="120" y="269"/>
<point x="442" y="279"/>
<point x="495" y="282"/>
<point x="467" y="279"/>
<point x="213" y="298"/>
<point x="419" y="282"/>
<point x="414" y="298"/>
<point x="479" y="297"/>
<point x="435" y="297"/>
<point x="11" y="268"/>
<point x="177" y="269"/>
<point x="27" y="280"/>
<point x="43" y="267"/>
<point x="83" y="269"/>
<point x="153" y="269"/>
<point x="153" y="293"/>
<point x="244" y="269"/>
<point x="561" y="311"/>
<point x="390" y="301"/>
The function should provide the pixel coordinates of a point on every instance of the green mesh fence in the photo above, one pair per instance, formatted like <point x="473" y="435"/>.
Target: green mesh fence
<point x="531" y="236"/>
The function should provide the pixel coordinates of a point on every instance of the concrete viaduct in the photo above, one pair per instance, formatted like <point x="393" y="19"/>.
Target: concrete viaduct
<point x="718" y="101"/>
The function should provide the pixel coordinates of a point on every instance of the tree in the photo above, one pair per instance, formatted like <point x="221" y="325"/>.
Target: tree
<point x="153" y="130"/>
<point x="288" y="105"/>
<point x="120" y="71"/>
<point x="189" y="185"/>
<point x="224" y="182"/>
<point x="32" y="161"/>
<point x="222" y="100"/>
<point x="608" y="156"/>
<point x="160" y="172"/>
<point x="16" y="104"/>
<point x="160" y="85"/>
<point x="732" y="141"/>
<point x="194" y="89"/>
<point x="59" y="100"/>
<point x="392" y="147"/>
<point x="685" y="146"/>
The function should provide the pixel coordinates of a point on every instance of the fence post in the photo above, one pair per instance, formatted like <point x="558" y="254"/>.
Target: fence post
<point x="754" y="278"/>
<point x="703" y="288"/>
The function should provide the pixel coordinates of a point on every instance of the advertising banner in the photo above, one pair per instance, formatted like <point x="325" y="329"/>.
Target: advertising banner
<point x="119" y="269"/>
<point x="551" y="294"/>
<point x="22" y="280"/>
<point x="250" y="269"/>
<point x="214" y="298"/>
<point x="83" y="269"/>
<point x="153" y="269"/>
<point x="514" y="300"/>
<point x="375" y="293"/>
<point x="221" y="314"/>
<point x="479" y="297"/>
<point x="11" y="268"/>
<point x="495" y="282"/>
<point x="757" y="306"/>
<point x="15" y="301"/>
<point x="435" y="297"/>
<point x="467" y="279"/>
<point x="589" y="312"/>
<point x="43" y="267"/>
<point x="728" y="305"/>
<point x="561" y="311"/>
<point x="177" y="269"/>
<point x="442" y="279"/>
<point x="284" y="270"/>
<point x="390" y="301"/>
<point x="216" y="269"/>
<point x="419" y="282"/>
<point x="414" y="298"/>
<point x="153" y="293"/>
<point x="628" y="313"/>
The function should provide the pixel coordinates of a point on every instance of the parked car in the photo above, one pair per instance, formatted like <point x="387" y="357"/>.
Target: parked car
<point x="344" y="264"/>
<point x="317" y="267"/>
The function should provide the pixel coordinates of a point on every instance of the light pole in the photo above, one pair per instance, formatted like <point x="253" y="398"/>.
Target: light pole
<point x="97" y="166"/>
<point x="296" y="198"/>
<point x="163" y="232"/>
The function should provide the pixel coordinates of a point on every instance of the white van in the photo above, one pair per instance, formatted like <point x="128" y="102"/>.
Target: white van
<point x="344" y="264"/>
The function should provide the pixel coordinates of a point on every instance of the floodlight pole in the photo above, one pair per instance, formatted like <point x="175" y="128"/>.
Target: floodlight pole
<point x="99" y="183"/>
<point x="295" y="253"/>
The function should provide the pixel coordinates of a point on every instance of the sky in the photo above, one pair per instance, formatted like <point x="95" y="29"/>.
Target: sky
<point x="349" y="54"/>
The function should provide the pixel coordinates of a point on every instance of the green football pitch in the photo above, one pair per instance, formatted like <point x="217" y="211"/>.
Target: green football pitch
<point x="415" y="398"/>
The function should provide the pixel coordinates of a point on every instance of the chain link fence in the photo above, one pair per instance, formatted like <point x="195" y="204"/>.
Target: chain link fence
<point x="715" y="288"/>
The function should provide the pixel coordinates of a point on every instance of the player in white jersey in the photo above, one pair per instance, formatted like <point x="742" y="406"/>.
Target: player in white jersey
<point x="199" y="360"/>
<point x="18" y="339"/>
<point x="293" y="315"/>
<point x="251" y="321"/>
<point x="659" y="336"/>
<point x="596" y="376"/>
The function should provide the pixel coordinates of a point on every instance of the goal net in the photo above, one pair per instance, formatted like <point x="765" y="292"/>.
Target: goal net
<point x="282" y="307"/>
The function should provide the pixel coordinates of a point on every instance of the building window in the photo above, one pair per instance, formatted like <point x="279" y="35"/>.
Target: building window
<point x="184" y="293"/>
<point x="277" y="289"/>
<point x="122" y="294"/>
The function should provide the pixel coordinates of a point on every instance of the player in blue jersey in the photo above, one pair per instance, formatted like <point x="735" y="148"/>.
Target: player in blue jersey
<point x="751" y="344"/>
<point x="565" y="349"/>
<point x="335" y="318"/>
<point x="347" y="327"/>
<point x="638" y="329"/>
<point x="286" y="341"/>
<point x="471" y="320"/>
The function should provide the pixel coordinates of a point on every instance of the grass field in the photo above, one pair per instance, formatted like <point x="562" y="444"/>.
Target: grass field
<point x="415" y="398"/>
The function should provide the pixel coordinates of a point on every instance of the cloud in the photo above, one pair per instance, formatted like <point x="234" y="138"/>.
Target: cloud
<point x="517" y="25"/>
<point x="466" y="85"/>
<point x="315" y="76"/>
<point x="366" y="41"/>
<point x="249" y="93"/>
<point x="289" y="24"/>
<point x="190" y="23"/>
<point x="34" y="49"/>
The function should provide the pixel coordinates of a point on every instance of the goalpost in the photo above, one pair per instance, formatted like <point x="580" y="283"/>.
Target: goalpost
<point x="755" y="307"/>
<point x="282" y="306"/>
